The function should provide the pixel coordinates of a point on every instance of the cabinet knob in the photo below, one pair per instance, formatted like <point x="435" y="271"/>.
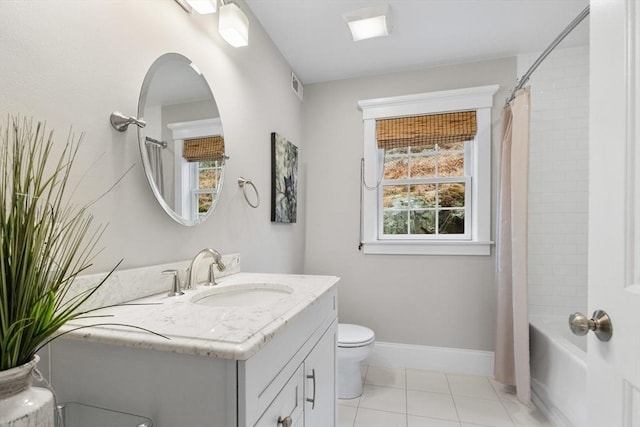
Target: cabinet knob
<point x="285" y="422"/>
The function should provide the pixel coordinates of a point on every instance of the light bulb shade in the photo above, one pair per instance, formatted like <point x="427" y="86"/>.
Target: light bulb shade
<point x="203" y="6"/>
<point x="368" y="22"/>
<point x="233" y="25"/>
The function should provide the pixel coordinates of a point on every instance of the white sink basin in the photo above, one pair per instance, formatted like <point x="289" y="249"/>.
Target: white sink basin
<point x="253" y="294"/>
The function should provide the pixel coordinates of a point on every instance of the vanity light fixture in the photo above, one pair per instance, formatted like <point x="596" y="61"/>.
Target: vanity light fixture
<point x="233" y="25"/>
<point x="368" y="22"/>
<point x="203" y="6"/>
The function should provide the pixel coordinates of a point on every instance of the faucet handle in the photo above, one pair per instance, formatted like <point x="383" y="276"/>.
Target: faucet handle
<point x="175" y="290"/>
<point x="188" y="285"/>
<point x="211" y="280"/>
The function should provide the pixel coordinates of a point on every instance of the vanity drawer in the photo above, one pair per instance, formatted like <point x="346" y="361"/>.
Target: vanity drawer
<point x="288" y="403"/>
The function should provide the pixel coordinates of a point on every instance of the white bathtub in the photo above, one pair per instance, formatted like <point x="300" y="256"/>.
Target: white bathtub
<point x="558" y="371"/>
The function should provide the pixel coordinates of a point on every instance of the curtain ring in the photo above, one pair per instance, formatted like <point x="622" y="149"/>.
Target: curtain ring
<point x="243" y="183"/>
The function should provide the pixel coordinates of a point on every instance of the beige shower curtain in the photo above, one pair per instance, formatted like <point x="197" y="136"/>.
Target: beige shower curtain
<point x="512" y="336"/>
<point x="155" y="161"/>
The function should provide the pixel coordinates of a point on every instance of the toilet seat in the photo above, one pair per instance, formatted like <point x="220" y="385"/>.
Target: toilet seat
<point x="350" y="336"/>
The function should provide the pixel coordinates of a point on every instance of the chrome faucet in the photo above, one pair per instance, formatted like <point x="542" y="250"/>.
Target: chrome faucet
<point x="193" y="269"/>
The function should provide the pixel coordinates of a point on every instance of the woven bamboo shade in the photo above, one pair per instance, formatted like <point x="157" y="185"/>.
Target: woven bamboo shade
<point x="431" y="129"/>
<point x="203" y="149"/>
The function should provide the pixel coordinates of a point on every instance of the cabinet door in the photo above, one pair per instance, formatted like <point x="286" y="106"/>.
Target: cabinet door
<point x="320" y="384"/>
<point x="287" y="404"/>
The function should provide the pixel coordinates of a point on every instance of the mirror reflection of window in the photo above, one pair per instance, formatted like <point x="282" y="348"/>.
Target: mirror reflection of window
<point x="205" y="184"/>
<point x="204" y="157"/>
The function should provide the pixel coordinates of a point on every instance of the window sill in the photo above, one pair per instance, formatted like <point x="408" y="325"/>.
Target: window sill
<point x="427" y="248"/>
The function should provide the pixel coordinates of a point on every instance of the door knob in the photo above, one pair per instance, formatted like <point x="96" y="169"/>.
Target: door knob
<point x="285" y="422"/>
<point x="600" y="323"/>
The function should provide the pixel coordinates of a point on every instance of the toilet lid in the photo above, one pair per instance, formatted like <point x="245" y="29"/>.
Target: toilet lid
<point x="354" y="335"/>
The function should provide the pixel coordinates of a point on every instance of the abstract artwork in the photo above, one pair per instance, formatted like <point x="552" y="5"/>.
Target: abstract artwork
<point x="284" y="179"/>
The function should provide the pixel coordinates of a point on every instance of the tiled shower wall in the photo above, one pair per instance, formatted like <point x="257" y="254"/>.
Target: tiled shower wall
<point x="558" y="181"/>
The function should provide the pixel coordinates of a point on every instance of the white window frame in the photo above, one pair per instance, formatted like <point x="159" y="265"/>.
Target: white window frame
<point x="479" y="242"/>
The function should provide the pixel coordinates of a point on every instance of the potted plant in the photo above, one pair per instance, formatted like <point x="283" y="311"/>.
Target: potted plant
<point x="46" y="241"/>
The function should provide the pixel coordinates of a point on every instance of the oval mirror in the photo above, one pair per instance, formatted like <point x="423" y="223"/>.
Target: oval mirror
<point x="182" y="145"/>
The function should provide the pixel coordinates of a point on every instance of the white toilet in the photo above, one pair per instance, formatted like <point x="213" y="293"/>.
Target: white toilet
<point x="354" y="345"/>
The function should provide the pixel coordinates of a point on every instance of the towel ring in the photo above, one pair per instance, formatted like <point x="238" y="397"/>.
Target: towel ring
<point x="243" y="183"/>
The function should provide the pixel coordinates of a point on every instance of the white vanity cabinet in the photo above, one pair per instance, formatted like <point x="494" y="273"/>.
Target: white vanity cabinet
<point x="292" y="374"/>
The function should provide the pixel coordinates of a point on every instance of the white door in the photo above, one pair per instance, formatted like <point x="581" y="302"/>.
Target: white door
<point x="614" y="213"/>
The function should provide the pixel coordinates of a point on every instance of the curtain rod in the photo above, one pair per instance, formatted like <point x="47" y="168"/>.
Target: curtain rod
<point x="525" y="78"/>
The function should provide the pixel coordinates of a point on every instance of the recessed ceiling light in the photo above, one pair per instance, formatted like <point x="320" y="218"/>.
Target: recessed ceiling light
<point x="368" y="22"/>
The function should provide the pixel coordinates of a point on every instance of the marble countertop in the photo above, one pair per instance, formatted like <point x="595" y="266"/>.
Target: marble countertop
<point x="232" y="332"/>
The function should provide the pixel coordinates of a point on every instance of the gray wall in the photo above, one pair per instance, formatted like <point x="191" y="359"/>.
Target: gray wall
<point x="442" y="301"/>
<point x="72" y="63"/>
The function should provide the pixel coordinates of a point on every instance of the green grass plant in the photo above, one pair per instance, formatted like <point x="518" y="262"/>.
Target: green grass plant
<point x="46" y="240"/>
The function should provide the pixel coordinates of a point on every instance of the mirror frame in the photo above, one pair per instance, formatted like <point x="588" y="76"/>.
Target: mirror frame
<point x="142" y="101"/>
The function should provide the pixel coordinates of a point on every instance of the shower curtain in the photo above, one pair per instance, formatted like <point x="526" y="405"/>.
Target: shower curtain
<point x="154" y="153"/>
<point x="512" y="335"/>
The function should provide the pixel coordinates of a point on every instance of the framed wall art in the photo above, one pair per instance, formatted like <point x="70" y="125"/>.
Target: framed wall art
<point x="284" y="179"/>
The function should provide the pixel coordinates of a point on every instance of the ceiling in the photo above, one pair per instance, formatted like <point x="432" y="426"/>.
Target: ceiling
<point x="315" y="41"/>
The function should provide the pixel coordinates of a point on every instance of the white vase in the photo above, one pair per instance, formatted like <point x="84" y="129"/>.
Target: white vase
<point x="22" y="405"/>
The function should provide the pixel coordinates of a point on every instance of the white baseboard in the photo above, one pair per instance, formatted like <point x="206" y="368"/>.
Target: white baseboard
<point x="441" y="359"/>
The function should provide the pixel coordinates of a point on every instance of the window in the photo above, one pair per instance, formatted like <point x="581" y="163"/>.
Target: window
<point x="426" y="173"/>
<point x="204" y="184"/>
<point x="199" y="158"/>
<point x="204" y="158"/>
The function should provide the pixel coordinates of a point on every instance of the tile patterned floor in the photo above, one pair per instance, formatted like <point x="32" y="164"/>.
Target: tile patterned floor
<point x="413" y="398"/>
